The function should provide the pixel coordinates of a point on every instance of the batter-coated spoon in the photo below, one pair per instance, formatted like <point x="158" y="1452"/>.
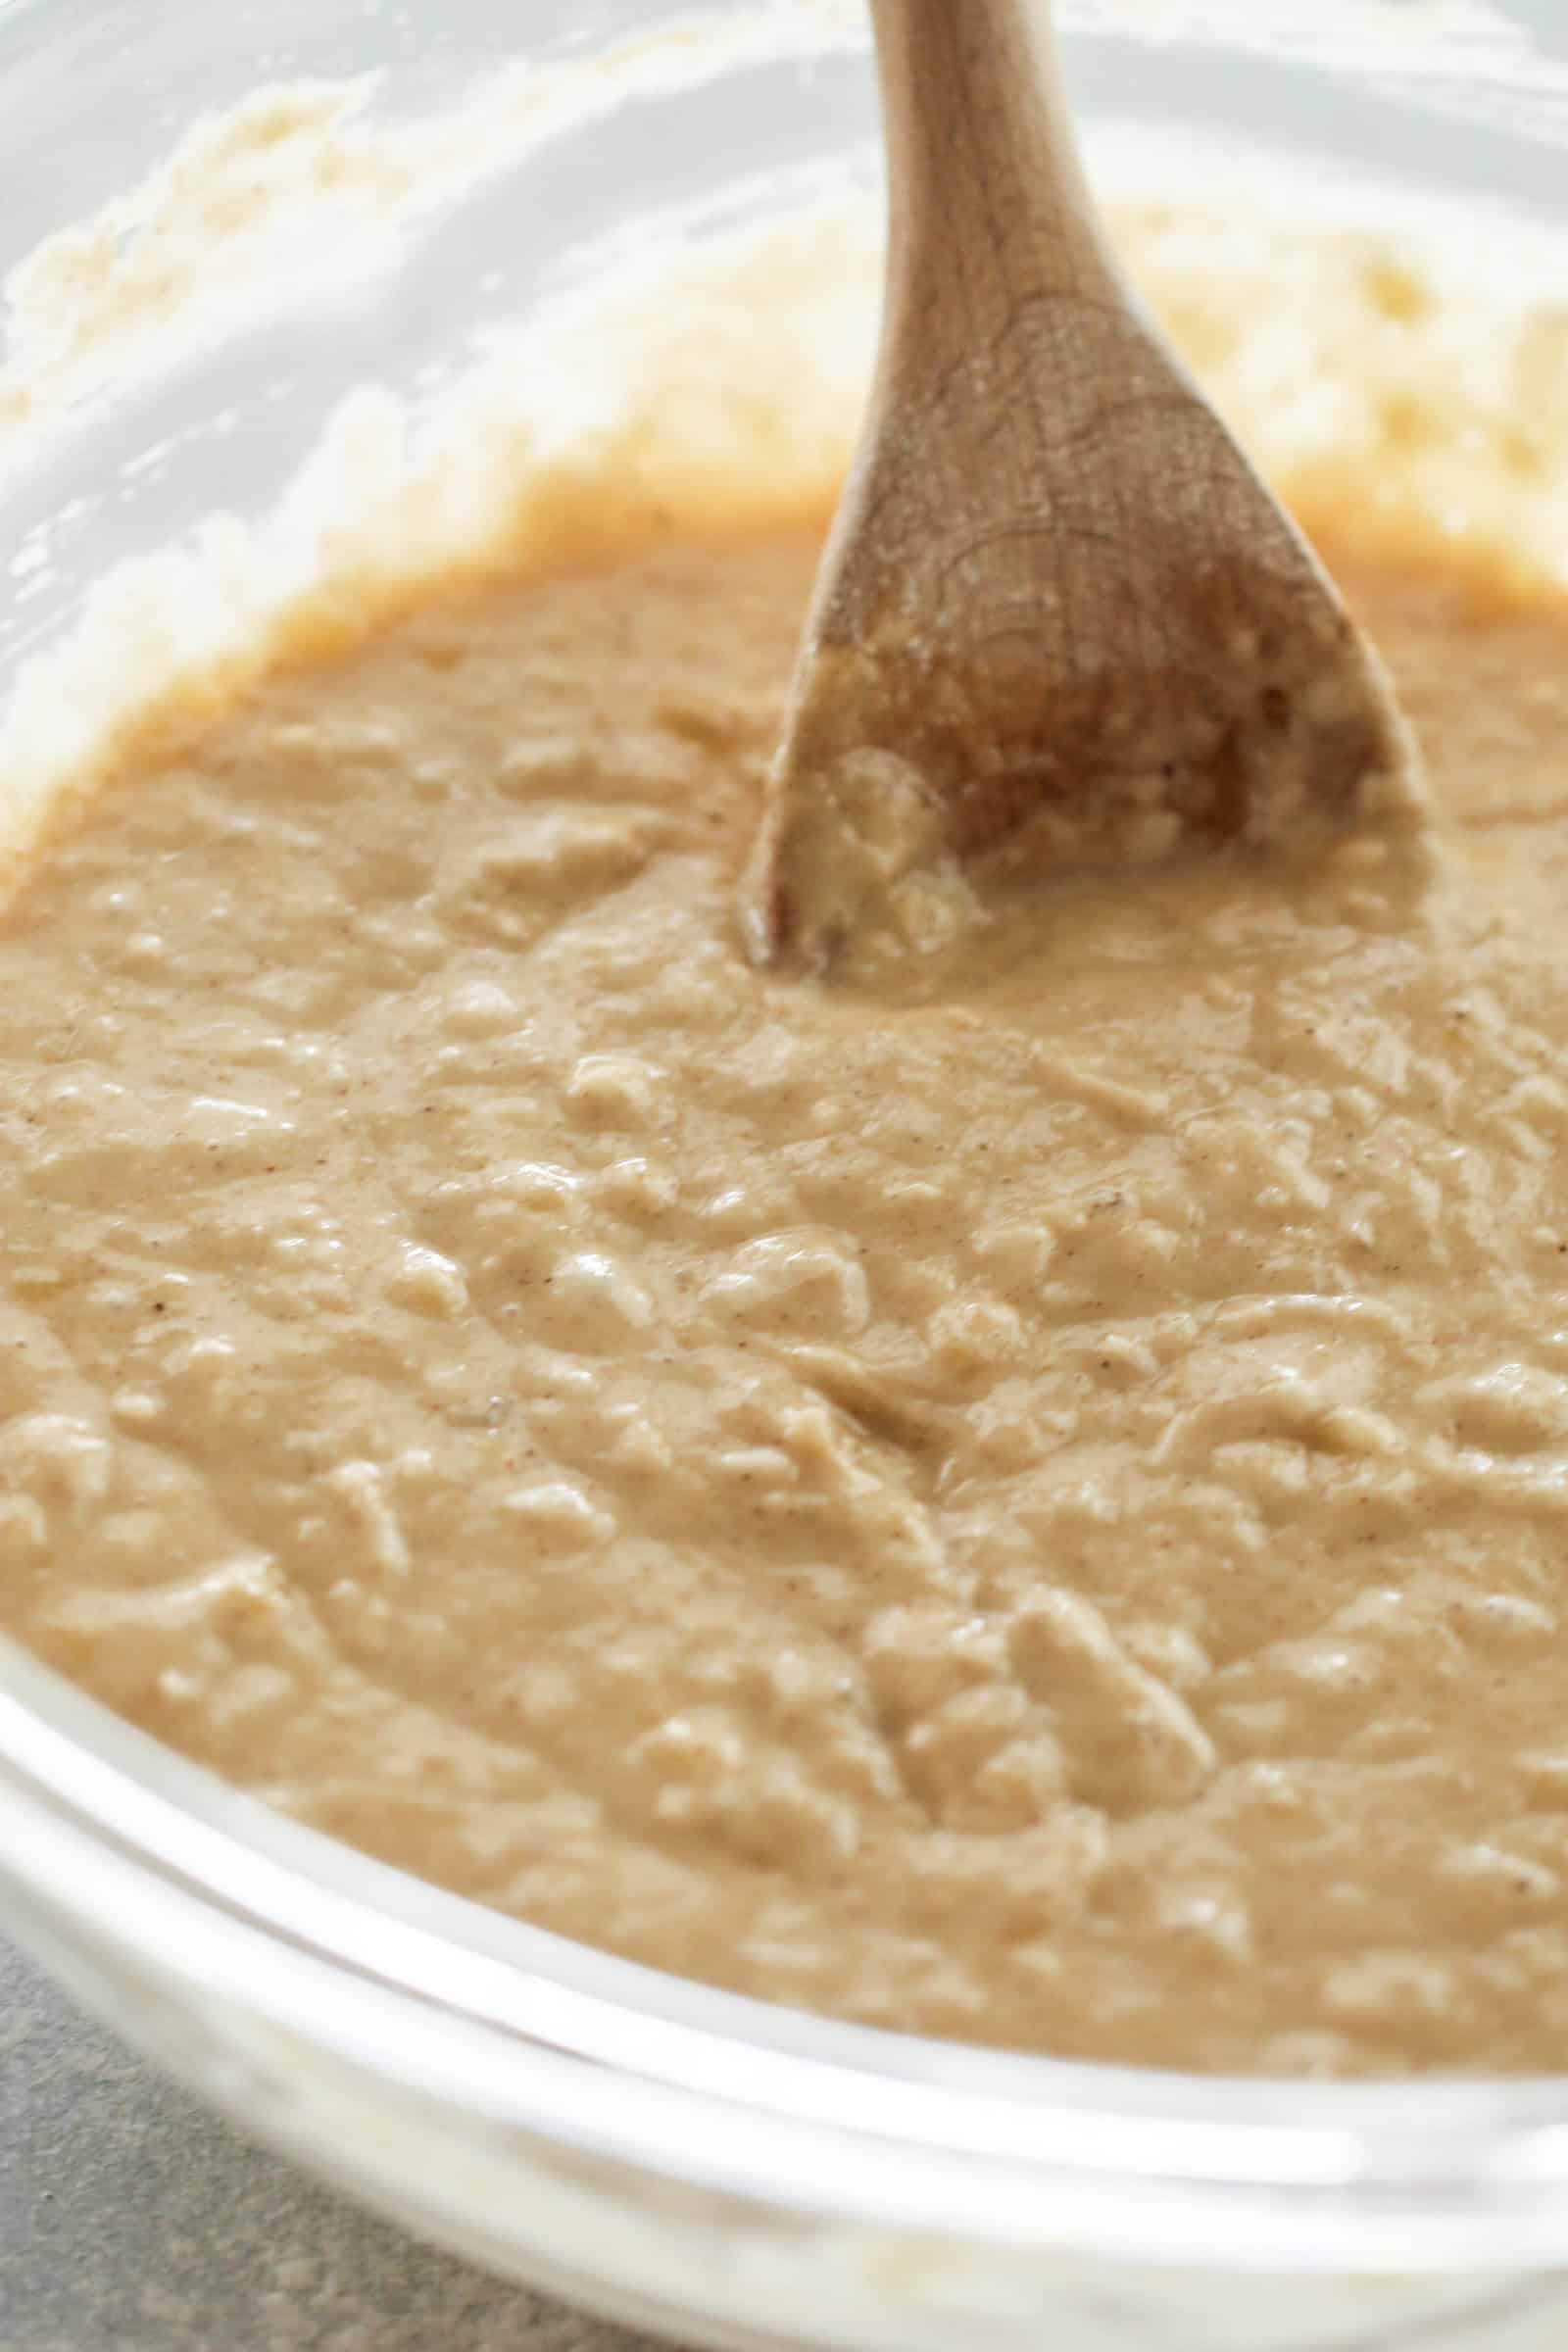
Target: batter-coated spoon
<point x="1061" y="622"/>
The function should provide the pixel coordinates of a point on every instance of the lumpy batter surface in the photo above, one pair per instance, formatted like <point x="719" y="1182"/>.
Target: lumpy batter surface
<point x="1030" y="1504"/>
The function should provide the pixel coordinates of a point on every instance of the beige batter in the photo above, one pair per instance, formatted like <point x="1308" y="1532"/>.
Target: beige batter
<point x="1035" y="1511"/>
<point x="1028" y="1502"/>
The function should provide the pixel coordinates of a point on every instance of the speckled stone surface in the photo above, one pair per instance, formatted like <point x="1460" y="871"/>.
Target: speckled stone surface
<point x="131" y="2221"/>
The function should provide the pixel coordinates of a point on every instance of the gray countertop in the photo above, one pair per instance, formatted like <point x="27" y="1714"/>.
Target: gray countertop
<point x="131" y="2221"/>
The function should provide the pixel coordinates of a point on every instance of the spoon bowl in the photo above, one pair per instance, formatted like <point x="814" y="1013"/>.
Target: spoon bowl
<point x="1061" y="622"/>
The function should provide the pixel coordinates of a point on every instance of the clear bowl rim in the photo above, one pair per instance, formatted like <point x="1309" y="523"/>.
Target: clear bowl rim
<point x="170" y="1868"/>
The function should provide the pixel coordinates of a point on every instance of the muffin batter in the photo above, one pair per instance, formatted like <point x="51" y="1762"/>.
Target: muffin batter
<point x="1027" y="1501"/>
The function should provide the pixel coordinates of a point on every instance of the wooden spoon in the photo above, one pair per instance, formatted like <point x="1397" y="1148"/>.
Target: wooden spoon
<point x="1061" y="622"/>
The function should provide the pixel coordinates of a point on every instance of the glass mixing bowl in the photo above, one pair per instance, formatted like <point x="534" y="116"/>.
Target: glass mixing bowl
<point x="733" y="2174"/>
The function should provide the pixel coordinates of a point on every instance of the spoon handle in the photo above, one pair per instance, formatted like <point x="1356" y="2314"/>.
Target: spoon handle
<point x="989" y="206"/>
<point x="1010" y="356"/>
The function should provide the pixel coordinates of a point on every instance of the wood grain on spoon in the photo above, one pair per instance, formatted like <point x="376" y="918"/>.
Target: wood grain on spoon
<point x="1061" y="622"/>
